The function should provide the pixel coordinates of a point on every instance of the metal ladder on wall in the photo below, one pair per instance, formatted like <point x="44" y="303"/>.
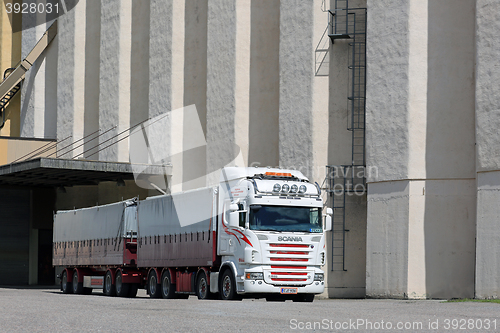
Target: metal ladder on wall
<point x="13" y="77"/>
<point x="347" y="180"/>
<point x="7" y="98"/>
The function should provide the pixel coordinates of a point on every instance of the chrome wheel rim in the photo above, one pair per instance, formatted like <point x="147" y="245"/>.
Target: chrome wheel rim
<point x="65" y="281"/>
<point x="75" y="282"/>
<point x="202" y="288"/>
<point x="165" y="285"/>
<point x="152" y="285"/>
<point x="107" y="283"/>
<point x="118" y="283"/>
<point x="226" y="286"/>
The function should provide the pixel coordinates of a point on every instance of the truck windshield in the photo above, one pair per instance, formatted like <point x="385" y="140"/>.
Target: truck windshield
<point x="285" y="218"/>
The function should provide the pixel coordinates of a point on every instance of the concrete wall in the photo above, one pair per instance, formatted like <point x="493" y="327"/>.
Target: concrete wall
<point x="10" y="55"/>
<point x="38" y="107"/>
<point x="92" y="75"/>
<point x="487" y="139"/>
<point x="114" y="77"/>
<point x="248" y="67"/>
<point x="420" y="133"/>
<point x="264" y="83"/>
<point x="221" y="84"/>
<point x="296" y="65"/>
<point x="13" y="149"/>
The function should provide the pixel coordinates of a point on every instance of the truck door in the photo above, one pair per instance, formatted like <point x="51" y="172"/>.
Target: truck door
<point x="227" y="237"/>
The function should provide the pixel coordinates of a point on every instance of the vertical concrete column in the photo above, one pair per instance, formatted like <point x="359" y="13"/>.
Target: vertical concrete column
<point x="115" y="78"/>
<point x="450" y="203"/>
<point x="195" y="85"/>
<point x="488" y="149"/>
<point x="242" y="76"/>
<point x="92" y="77"/>
<point x="264" y="83"/>
<point x="160" y="57"/>
<point x="38" y="110"/>
<point x="296" y="63"/>
<point x="139" y="87"/>
<point x="71" y="80"/>
<point x="226" y="89"/>
<point x="420" y="140"/>
<point x="160" y="72"/>
<point x="320" y="122"/>
<point x="181" y="163"/>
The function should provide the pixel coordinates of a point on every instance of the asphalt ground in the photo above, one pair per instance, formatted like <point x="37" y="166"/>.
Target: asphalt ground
<point x="48" y="310"/>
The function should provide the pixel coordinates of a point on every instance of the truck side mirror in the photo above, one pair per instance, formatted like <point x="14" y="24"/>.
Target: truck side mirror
<point x="234" y="219"/>
<point x="328" y="223"/>
<point x="328" y="219"/>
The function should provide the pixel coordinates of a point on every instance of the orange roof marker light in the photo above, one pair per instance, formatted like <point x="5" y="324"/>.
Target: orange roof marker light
<point x="279" y="174"/>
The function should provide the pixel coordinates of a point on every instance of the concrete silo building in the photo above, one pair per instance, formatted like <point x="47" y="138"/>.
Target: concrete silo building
<point x="389" y="105"/>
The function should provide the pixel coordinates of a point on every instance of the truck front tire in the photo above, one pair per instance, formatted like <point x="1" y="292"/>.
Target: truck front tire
<point x="227" y="288"/>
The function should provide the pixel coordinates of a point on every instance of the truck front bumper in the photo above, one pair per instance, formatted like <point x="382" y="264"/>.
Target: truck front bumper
<point x="261" y="287"/>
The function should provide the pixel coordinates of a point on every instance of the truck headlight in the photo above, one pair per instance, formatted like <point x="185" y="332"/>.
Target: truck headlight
<point x="276" y="188"/>
<point x="319" y="276"/>
<point x="255" y="276"/>
<point x="302" y="189"/>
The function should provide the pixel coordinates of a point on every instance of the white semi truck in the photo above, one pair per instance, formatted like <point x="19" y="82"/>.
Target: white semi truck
<point x="260" y="233"/>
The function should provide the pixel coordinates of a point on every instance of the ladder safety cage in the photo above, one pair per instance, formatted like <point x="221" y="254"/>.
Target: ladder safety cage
<point x="347" y="180"/>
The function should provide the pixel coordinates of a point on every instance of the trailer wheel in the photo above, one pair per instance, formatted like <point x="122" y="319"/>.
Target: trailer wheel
<point x="202" y="287"/>
<point x="228" y="286"/>
<point x="66" y="287"/>
<point x="122" y="289"/>
<point x="167" y="288"/>
<point x="77" y="286"/>
<point x="109" y="287"/>
<point x="154" y="289"/>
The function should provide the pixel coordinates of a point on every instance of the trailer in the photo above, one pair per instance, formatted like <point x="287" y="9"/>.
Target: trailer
<point x="260" y="233"/>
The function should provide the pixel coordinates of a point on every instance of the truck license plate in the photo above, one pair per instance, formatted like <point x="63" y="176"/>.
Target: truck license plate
<point x="288" y="291"/>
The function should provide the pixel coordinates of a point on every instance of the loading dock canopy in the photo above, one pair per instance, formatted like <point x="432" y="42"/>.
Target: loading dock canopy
<point x="56" y="172"/>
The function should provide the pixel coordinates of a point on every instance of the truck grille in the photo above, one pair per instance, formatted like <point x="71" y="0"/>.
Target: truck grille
<point x="289" y="252"/>
<point x="289" y="264"/>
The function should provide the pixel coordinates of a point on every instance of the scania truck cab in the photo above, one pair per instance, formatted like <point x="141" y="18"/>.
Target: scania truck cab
<point x="271" y="234"/>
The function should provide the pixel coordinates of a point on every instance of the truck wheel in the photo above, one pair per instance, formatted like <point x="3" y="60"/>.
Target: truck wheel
<point x="122" y="289"/>
<point x="77" y="286"/>
<point x="228" y="286"/>
<point x="202" y="287"/>
<point x="66" y="287"/>
<point x="304" y="298"/>
<point x="167" y="288"/>
<point x="154" y="289"/>
<point x="109" y="287"/>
